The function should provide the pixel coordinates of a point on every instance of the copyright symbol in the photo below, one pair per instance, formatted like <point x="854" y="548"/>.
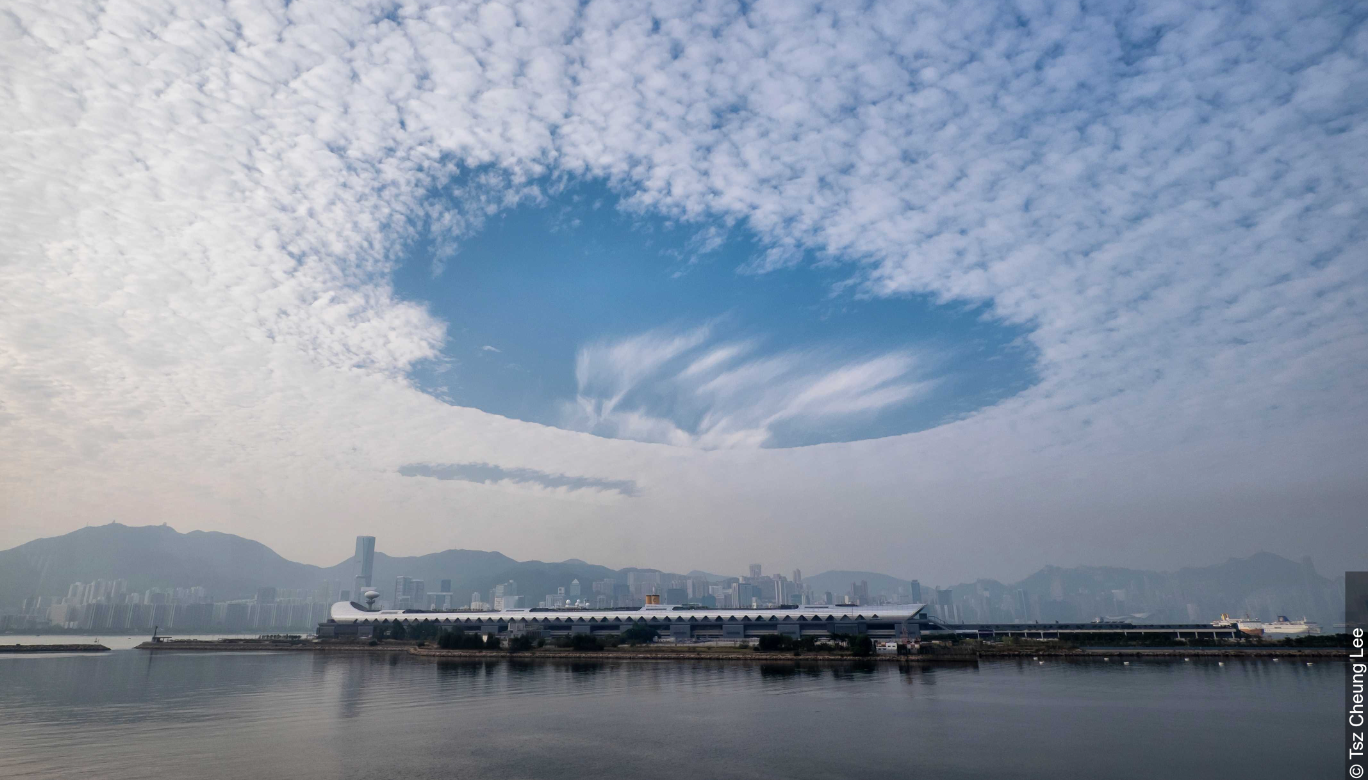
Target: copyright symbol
<point x="1356" y="771"/>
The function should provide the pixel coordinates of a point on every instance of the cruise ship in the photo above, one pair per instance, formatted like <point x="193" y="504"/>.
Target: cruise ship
<point x="1280" y="627"/>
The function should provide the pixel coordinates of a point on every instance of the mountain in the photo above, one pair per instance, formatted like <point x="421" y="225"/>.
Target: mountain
<point x="840" y="582"/>
<point x="146" y="556"/>
<point x="232" y="567"/>
<point x="1263" y="586"/>
<point x="472" y="571"/>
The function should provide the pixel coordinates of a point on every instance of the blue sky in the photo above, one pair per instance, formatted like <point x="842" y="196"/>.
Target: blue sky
<point x="537" y="284"/>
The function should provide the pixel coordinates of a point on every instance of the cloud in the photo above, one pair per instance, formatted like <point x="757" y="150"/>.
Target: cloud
<point x="204" y="206"/>
<point x="487" y="348"/>
<point x="677" y="387"/>
<point x="489" y="473"/>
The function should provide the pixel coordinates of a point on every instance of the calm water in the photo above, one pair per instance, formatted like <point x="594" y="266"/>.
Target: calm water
<point x="133" y="713"/>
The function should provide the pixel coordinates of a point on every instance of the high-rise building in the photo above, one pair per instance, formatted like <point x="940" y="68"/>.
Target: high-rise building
<point x="755" y="570"/>
<point x="445" y="585"/>
<point x="743" y="594"/>
<point x="917" y="591"/>
<point x="574" y="593"/>
<point x="860" y="593"/>
<point x="418" y="594"/>
<point x="798" y="578"/>
<point x="946" y="604"/>
<point x="363" y="562"/>
<point x="365" y="559"/>
<point x="404" y="591"/>
<point x="778" y="583"/>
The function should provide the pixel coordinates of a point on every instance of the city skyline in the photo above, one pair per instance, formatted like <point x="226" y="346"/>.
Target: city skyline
<point x="1266" y="586"/>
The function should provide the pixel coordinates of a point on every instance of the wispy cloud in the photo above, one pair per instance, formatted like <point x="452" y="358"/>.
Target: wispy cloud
<point x="682" y="388"/>
<point x="487" y="348"/>
<point x="489" y="473"/>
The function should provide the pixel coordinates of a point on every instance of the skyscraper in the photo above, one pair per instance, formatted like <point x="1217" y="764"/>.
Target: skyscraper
<point x="365" y="558"/>
<point x="798" y="578"/>
<point x="404" y="590"/>
<point x="860" y="593"/>
<point x="363" y="561"/>
<point x="756" y="570"/>
<point x="445" y="585"/>
<point x="574" y="593"/>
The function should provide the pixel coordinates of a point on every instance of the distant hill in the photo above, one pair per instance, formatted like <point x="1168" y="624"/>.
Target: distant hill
<point x="227" y="565"/>
<point x="1264" y="586"/>
<point x="472" y="571"/>
<point x="839" y="582"/>
<point x="232" y="567"/>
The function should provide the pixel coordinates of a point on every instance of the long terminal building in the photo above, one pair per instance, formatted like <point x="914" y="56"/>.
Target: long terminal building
<point x="677" y="622"/>
<point x="687" y="623"/>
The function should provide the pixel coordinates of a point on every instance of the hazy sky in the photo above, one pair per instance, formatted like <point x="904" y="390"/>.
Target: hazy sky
<point x="941" y="292"/>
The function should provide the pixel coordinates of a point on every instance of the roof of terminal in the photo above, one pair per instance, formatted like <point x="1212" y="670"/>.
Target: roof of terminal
<point x="353" y="612"/>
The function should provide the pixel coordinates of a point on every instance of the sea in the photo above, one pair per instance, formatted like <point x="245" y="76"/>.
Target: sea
<point x="169" y="714"/>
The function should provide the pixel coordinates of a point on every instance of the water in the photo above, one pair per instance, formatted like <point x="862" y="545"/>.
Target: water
<point x="298" y="714"/>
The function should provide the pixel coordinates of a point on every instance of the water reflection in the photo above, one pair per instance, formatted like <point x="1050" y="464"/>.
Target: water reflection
<point x="135" y="714"/>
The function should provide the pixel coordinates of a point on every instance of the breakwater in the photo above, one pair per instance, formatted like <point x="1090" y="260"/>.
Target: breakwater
<point x="252" y="645"/>
<point x="53" y="648"/>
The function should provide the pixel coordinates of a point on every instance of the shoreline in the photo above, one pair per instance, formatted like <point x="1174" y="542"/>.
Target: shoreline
<point x="1080" y="654"/>
<point x="57" y="648"/>
<point x="667" y="654"/>
<point x="233" y="645"/>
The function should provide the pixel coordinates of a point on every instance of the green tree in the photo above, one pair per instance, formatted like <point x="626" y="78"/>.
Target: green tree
<point x="580" y="642"/>
<point x="772" y="643"/>
<point x="639" y="634"/>
<point x="861" y="645"/>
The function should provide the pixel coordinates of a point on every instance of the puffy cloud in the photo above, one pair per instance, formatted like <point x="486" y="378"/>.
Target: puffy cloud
<point x="204" y="201"/>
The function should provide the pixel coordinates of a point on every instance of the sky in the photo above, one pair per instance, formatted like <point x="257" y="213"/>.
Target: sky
<point x="939" y="291"/>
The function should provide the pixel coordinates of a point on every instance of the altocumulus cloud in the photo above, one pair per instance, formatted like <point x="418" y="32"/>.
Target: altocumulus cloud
<point x="204" y="203"/>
